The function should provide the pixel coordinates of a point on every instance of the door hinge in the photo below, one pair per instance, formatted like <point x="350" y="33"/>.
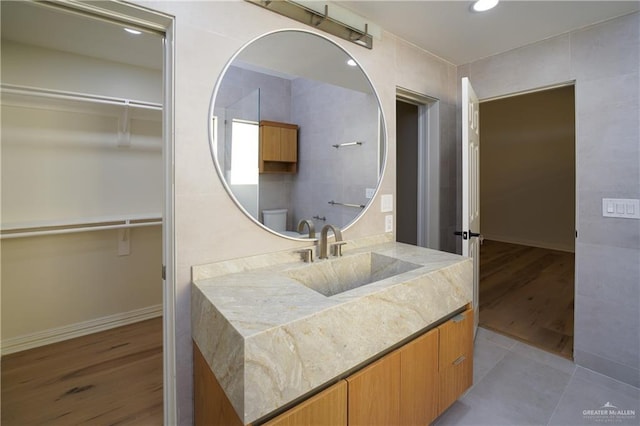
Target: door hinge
<point x="164" y="272"/>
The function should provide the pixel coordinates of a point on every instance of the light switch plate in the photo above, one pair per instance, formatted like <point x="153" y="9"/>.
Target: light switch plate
<point x="626" y="208"/>
<point x="388" y="223"/>
<point x="386" y="203"/>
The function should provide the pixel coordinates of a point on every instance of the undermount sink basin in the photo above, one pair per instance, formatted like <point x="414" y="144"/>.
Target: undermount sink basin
<point x="331" y="277"/>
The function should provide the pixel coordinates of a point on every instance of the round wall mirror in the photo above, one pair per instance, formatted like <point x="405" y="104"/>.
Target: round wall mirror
<point x="297" y="133"/>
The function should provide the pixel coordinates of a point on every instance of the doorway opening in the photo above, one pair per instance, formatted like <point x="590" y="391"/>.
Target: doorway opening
<point x="417" y="169"/>
<point x="527" y="213"/>
<point x="407" y="144"/>
<point x="86" y="214"/>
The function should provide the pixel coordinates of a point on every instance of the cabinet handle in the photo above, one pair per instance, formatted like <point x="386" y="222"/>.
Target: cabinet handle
<point x="458" y="318"/>
<point x="459" y="360"/>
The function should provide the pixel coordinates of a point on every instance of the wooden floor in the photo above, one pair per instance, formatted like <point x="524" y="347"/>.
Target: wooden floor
<point x="527" y="293"/>
<point x="109" y="378"/>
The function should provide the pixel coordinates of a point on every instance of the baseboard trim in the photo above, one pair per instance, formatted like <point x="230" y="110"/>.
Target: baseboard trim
<point x="529" y="243"/>
<point x="613" y="369"/>
<point x="58" y="334"/>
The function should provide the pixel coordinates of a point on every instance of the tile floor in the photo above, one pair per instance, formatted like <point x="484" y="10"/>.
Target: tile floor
<point x="516" y="384"/>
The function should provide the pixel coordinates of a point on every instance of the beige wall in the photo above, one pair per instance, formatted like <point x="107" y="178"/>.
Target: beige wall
<point x="209" y="227"/>
<point x="50" y="283"/>
<point x="527" y="169"/>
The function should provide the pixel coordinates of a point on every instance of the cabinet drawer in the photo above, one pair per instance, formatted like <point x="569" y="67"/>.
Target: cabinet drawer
<point x="454" y="381"/>
<point x="456" y="339"/>
<point x="456" y="358"/>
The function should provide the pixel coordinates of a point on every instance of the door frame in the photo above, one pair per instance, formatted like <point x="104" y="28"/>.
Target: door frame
<point x="155" y="21"/>
<point x="428" y="214"/>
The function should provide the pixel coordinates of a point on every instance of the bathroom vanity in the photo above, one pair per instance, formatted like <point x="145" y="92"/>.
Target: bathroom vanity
<point x="373" y="331"/>
<point x="277" y="342"/>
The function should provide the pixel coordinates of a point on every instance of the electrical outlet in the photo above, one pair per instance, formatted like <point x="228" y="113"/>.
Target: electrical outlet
<point x="386" y="203"/>
<point x="388" y="223"/>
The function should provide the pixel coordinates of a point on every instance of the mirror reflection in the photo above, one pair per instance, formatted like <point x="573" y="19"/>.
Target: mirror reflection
<point x="296" y="133"/>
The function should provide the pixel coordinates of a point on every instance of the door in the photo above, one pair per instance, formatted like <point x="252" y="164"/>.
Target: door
<point x="471" y="187"/>
<point x="329" y="407"/>
<point x="419" y="381"/>
<point x="374" y="393"/>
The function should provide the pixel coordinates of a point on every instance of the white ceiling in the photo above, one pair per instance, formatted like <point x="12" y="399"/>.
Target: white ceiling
<point x="48" y="27"/>
<point x="445" y="28"/>
<point x="451" y="31"/>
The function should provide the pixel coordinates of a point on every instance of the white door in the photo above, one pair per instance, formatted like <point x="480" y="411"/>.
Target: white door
<point x="471" y="237"/>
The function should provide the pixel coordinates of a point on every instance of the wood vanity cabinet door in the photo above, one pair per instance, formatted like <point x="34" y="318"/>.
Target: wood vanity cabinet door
<point x="419" y="385"/>
<point x="456" y="358"/>
<point x="211" y="406"/>
<point x="328" y="408"/>
<point x="374" y="393"/>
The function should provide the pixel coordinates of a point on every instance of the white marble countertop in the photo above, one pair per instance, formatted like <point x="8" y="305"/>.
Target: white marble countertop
<point x="269" y="339"/>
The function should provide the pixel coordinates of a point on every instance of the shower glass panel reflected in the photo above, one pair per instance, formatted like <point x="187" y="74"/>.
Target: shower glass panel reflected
<point x="240" y="149"/>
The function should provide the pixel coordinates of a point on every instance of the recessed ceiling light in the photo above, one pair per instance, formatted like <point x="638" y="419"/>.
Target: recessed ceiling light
<point x="132" y="31"/>
<point x="352" y="63"/>
<point x="484" y="5"/>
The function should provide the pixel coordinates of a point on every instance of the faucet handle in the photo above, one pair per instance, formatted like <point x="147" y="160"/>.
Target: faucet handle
<point x="306" y="255"/>
<point x="336" y="248"/>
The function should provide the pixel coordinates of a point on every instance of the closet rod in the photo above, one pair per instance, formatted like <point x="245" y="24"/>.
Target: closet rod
<point x="76" y="96"/>
<point x="101" y="224"/>
<point x="76" y="230"/>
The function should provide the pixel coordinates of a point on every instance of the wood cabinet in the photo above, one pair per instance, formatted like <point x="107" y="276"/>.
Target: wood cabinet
<point x="329" y="407"/>
<point x="416" y="383"/>
<point x="455" y="367"/>
<point x="278" y="147"/>
<point x="374" y="393"/>
<point x="419" y="381"/>
<point x="211" y="406"/>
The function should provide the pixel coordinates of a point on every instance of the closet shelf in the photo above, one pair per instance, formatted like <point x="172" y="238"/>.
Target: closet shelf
<point x="35" y="229"/>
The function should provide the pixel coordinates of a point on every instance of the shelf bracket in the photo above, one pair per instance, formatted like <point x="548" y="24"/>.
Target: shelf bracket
<point x="124" y="131"/>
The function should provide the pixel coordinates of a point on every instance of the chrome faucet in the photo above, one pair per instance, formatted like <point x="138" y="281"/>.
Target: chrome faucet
<point x="310" y="225"/>
<point x="323" y="240"/>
